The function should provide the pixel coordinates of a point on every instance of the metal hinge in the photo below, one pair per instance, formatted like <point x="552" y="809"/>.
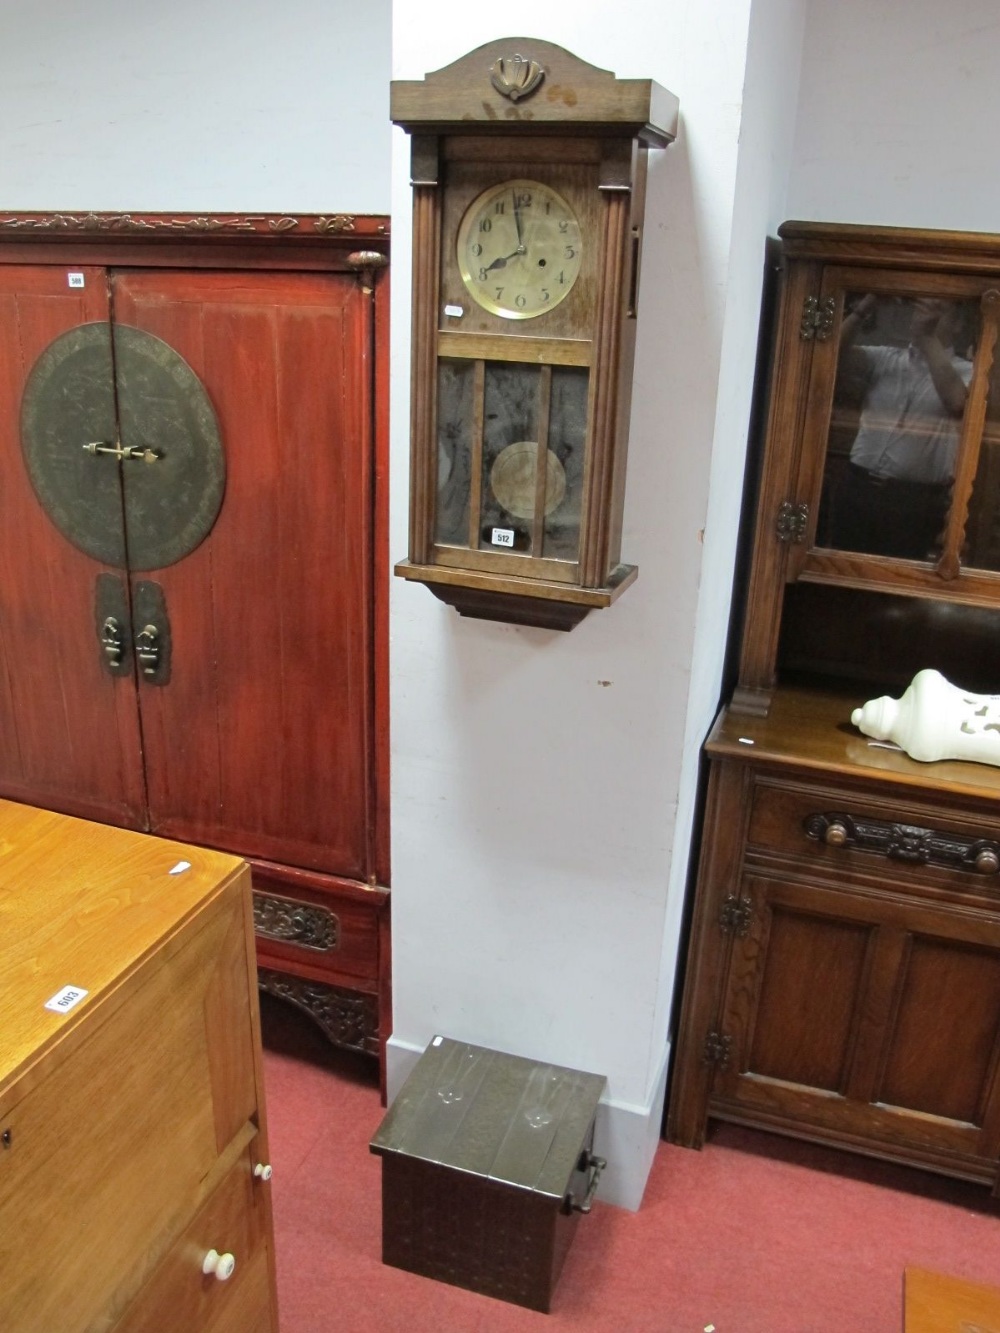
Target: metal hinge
<point x="817" y="318"/>
<point x="735" y="916"/>
<point x="791" y="521"/>
<point x="716" y="1050"/>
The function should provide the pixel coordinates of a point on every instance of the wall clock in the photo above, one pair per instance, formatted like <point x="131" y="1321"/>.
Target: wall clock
<point x="528" y="168"/>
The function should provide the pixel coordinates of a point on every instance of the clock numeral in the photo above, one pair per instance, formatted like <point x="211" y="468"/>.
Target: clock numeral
<point x="499" y="292"/>
<point x="570" y="252"/>
<point x="523" y="200"/>
<point x="545" y="294"/>
<point x="477" y="249"/>
<point x="563" y="227"/>
<point x="520" y="301"/>
<point x="561" y="279"/>
<point x="499" y="206"/>
<point x="486" y="225"/>
<point x="482" y="273"/>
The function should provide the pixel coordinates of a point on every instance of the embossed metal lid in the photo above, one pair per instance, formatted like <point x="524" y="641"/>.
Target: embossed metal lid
<point x="518" y="1121"/>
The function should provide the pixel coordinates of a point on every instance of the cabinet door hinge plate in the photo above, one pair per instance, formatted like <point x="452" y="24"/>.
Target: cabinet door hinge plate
<point x="735" y="916"/>
<point x="717" y="1049"/>
<point x="791" y="521"/>
<point x="817" y="318"/>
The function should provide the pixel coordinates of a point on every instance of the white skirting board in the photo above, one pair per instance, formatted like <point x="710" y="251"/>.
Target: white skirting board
<point x="626" y="1134"/>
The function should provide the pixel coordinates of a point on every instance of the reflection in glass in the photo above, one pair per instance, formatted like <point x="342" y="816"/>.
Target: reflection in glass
<point x="534" y="427"/>
<point x="567" y="438"/>
<point x="510" y="435"/>
<point x="902" y="377"/>
<point x="982" y="549"/>
<point x="454" y="420"/>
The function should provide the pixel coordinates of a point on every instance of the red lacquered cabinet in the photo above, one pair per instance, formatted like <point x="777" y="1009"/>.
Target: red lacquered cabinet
<point x="193" y="428"/>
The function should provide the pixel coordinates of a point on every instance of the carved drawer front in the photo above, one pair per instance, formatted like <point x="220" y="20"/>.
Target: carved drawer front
<point x="874" y="834"/>
<point x="215" y="1276"/>
<point x="330" y="934"/>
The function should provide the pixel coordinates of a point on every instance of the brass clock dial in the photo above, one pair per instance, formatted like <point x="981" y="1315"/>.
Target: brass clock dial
<point x="519" y="249"/>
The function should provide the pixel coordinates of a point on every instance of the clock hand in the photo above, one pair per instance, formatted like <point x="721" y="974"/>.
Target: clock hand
<point x="517" y="223"/>
<point x="501" y="261"/>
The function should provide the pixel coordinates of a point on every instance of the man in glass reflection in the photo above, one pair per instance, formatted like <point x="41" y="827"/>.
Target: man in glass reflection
<point x="893" y="498"/>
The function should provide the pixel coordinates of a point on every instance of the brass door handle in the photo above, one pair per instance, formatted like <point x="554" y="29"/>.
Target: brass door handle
<point x="153" y="641"/>
<point x="116" y="451"/>
<point x="113" y="641"/>
<point x="147" y="649"/>
<point x="113" y="625"/>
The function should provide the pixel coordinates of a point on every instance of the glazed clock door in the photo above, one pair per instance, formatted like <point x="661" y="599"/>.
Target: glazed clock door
<point x="515" y="341"/>
<point x="69" y="732"/>
<point x="256" y="732"/>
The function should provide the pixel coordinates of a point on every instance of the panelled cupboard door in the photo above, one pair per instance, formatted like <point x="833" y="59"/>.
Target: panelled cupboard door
<point x="258" y="741"/>
<point x="872" y="1018"/>
<point x="69" y="734"/>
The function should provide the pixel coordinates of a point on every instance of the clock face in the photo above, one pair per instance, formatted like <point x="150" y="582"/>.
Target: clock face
<point x="519" y="249"/>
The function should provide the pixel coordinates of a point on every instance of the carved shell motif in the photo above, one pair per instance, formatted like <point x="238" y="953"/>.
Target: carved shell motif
<point x="516" y="76"/>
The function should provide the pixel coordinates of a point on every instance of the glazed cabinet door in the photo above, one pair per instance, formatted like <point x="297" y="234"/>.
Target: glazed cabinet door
<point x="874" y="1020"/>
<point x="258" y="731"/>
<point x="898" y="468"/>
<point x="69" y="733"/>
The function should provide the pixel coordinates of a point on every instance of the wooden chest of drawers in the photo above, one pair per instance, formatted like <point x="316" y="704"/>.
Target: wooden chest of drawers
<point x="131" y="1112"/>
<point x="844" y="970"/>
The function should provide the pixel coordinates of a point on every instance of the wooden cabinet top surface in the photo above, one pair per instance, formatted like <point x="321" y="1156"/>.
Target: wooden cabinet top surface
<point x="812" y="729"/>
<point x="83" y="905"/>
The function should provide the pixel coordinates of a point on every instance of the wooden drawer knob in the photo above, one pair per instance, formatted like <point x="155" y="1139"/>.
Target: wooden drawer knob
<point x="222" y="1265"/>
<point x="835" y="835"/>
<point x="262" y="1170"/>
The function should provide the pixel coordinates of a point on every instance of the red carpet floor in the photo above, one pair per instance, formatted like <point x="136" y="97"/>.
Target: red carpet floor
<point x="755" y="1234"/>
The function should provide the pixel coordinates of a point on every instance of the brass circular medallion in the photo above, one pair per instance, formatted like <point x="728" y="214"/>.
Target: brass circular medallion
<point x="512" y="479"/>
<point x="157" y="460"/>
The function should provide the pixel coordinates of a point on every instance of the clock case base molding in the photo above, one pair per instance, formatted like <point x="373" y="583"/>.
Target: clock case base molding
<point x="518" y="602"/>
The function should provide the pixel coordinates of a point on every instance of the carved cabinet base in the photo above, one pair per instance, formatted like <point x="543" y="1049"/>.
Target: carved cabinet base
<point x="323" y="946"/>
<point x="843" y="978"/>
<point x="348" y="1019"/>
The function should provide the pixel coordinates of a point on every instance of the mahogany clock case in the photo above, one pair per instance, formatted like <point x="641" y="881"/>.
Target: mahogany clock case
<point x="220" y="382"/>
<point x="528" y="168"/>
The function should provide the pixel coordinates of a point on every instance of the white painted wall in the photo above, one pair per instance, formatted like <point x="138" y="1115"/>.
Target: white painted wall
<point x="766" y="131"/>
<point x="538" y="853"/>
<point x="897" y="115"/>
<point x="195" y="104"/>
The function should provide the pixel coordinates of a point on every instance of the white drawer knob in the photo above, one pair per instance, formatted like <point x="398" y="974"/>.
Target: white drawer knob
<point x="221" y="1265"/>
<point x="262" y="1170"/>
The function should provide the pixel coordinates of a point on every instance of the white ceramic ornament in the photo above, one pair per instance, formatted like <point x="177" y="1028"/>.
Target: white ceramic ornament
<point x="934" y="719"/>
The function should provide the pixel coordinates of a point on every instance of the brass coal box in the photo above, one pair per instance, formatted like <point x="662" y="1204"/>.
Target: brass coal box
<point x="487" y="1164"/>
